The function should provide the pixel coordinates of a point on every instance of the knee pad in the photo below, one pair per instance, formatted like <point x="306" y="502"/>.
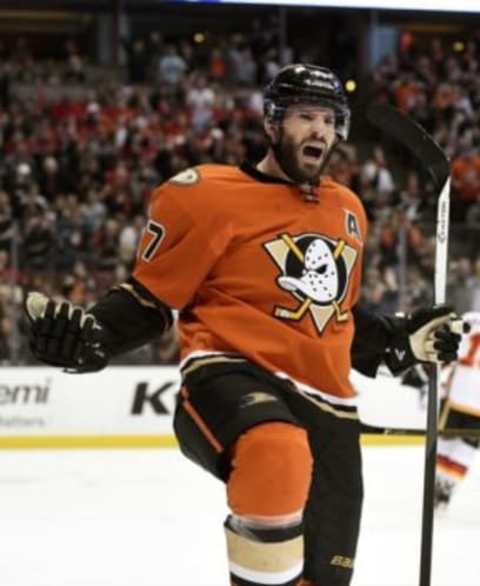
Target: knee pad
<point x="271" y="473"/>
<point x="259" y="554"/>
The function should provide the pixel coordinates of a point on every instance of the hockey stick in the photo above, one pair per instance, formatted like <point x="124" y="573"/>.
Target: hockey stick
<point x="415" y="139"/>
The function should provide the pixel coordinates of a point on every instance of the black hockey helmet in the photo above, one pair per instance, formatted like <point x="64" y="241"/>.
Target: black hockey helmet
<point x="311" y="84"/>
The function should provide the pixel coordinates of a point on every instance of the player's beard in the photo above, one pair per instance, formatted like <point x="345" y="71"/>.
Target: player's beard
<point x="287" y="154"/>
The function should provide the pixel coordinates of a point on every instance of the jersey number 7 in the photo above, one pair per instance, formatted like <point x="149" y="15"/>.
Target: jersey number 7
<point x="158" y="233"/>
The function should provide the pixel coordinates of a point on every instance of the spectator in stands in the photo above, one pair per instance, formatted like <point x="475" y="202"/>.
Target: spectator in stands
<point x="407" y="91"/>
<point x="376" y="171"/>
<point x="344" y="167"/>
<point x="466" y="176"/>
<point x="201" y="100"/>
<point x="38" y="242"/>
<point x="171" y="67"/>
<point x="154" y="47"/>
<point x="5" y="332"/>
<point x="128" y="240"/>
<point x="234" y="56"/>
<point x="412" y="198"/>
<point x="271" y="65"/>
<point x="137" y="60"/>
<point x="6" y="222"/>
<point x="105" y="243"/>
<point x="75" y="66"/>
<point x="437" y="56"/>
<point x="71" y="235"/>
<point x="5" y="83"/>
<point x="381" y="289"/>
<point x="217" y="68"/>
<point x="464" y="284"/>
<point x="51" y="179"/>
<point x="246" y="72"/>
<point x="476" y="284"/>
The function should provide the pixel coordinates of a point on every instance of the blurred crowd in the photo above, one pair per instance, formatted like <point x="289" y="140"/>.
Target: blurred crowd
<point x="437" y="83"/>
<point x="77" y="167"/>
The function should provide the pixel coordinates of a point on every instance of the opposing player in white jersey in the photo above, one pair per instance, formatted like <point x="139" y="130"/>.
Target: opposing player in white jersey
<point x="461" y="410"/>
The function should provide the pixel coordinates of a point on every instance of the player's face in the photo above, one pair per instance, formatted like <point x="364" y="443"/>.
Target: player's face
<point x="306" y="136"/>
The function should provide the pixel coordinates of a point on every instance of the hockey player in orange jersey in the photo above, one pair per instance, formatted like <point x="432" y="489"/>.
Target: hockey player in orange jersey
<point x="460" y="410"/>
<point x="263" y="262"/>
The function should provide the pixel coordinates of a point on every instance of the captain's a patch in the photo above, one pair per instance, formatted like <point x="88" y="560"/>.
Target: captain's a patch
<point x="351" y="225"/>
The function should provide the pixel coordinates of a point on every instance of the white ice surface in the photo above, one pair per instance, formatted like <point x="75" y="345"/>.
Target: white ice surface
<point x="150" y="518"/>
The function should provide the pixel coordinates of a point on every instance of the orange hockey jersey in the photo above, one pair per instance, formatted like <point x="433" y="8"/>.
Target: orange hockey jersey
<point x="257" y="270"/>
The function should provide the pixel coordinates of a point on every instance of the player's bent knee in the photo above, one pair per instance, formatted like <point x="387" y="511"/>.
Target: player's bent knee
<point x="271" y="472"/>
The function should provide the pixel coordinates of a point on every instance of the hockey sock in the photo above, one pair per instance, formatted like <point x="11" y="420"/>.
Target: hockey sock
<point x="262" y="555"/>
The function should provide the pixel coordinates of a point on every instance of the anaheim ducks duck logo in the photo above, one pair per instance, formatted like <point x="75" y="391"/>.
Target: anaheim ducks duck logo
<point x="316" y="272"/>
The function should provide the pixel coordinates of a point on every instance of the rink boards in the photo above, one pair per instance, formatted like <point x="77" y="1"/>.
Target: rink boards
<point x="124" y="407"/>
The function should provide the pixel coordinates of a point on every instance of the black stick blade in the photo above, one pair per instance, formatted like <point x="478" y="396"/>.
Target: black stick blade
<point x="413" y="137"/>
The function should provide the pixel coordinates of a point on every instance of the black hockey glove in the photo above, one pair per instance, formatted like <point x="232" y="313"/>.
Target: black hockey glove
<point x="64" y="335"/>
<point x="426" y="335"/>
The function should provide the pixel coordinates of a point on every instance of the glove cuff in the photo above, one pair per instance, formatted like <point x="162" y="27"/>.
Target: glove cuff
<point x="398" y="354"/>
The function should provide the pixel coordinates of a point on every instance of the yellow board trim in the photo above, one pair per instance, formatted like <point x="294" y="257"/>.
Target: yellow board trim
<point x="68" y="442"/>
<point x="391" y="440"/>
<point x="88" y="442"/>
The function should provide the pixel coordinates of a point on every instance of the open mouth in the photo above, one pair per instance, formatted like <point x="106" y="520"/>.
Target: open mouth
<point x="313" y="152"/>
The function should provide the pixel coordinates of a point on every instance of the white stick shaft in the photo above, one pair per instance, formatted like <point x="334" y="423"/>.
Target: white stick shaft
<point x="441" y="249"/>
<point x="441" y="256"/>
